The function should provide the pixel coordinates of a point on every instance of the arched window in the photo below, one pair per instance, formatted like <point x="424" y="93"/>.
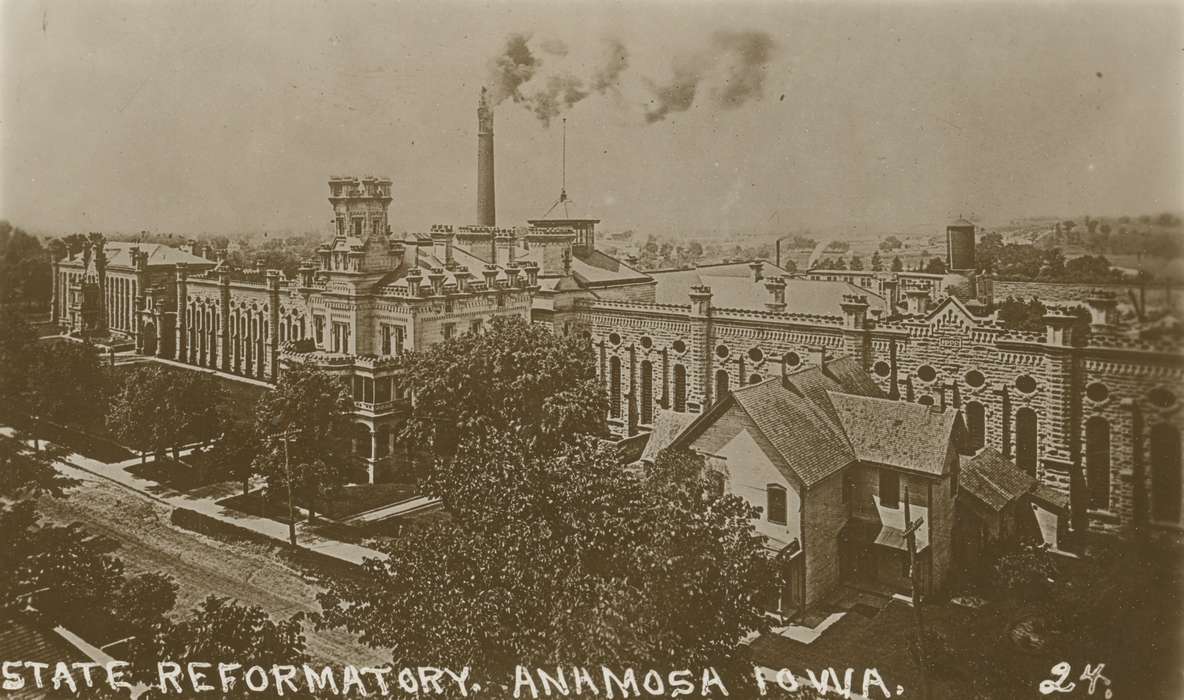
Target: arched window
<point x="647" y="392"/>
<point x="755" y="379"/>
<point x="680" y="388"/>
<point x="1165" y="473"/>
<point x="1025" y="440"/>
<point x="614" y="387"/>
<point x="721" y="384"/>
<point x="976" y="425"/>
<point x="776" y="504"/>
<point x="1097" y="462"/>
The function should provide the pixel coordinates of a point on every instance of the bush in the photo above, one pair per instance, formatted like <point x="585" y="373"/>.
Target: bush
<point x="1026" y="575"/>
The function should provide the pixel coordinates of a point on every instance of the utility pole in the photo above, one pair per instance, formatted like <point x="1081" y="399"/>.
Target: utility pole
<point x="286" y="436"/>
<point x="910" y="533"/>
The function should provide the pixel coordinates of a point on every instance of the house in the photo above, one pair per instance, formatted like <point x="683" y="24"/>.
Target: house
<point x="830" y="463"/>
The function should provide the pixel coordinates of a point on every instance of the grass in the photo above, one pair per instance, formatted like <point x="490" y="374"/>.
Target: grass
<point x="341" y="504"/>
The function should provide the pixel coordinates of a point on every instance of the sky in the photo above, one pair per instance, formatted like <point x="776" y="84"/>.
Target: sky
<point x="205" y="116"/>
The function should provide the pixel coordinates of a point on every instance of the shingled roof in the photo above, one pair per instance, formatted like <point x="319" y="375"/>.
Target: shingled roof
<point x="810" y="442"/>
<point x="994" y="480"/>
<point x="896" y="433"/>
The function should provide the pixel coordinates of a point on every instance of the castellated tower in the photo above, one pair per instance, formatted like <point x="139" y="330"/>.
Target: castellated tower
<point x="486" y="209"/>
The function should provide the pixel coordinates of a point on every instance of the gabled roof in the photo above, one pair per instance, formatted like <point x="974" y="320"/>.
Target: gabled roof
<point x="806" y="438"/>
<point x="667" y="426"/>
<point x="733" y="287"/>
<point x="119" y="254"/>
<point x="994" y="480"/>
<point x="897" y="433"/>
<point x="596" y="268"/>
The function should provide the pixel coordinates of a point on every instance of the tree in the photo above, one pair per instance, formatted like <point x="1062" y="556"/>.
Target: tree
<point x="158" y="408"/>
<point x="516" y="377"/>
<point x="897" y="264"/>
<point x="220" y="630"/>
<point x="856" y="263"/>
<point x="25" y="274"/>
<point x="877" y="262"/>
<point x="315" y="408"/>
<point x="67" y="384"/>
<point x="234" y="453"/>
<point x="890" y="243"/>
<point x="549" y="558"/>
<point x="17" y="349"/>
<point x="935" y="266"/>
<point x="840" y="264"/>
<point x="28" y="471"/>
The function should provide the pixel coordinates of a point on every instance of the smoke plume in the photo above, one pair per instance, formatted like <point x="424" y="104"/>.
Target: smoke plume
<point x="512" y="68"/>
<point x="609" y="74"/>
<point x="560" y="93"/>
<point x="738" y="60"/>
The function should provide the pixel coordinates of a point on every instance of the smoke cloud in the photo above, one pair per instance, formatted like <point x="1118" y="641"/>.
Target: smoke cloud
<point x="512" y="68"/>
<point x="739" y="60"/>
<point x="732" y="66"/>
<point x="560" y="93"/>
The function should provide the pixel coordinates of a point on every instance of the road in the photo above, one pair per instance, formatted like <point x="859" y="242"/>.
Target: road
<point x="201" y="565"/>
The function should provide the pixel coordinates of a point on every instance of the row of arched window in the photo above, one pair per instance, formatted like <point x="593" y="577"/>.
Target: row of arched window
<point x="1163" y="458"/>
<point x="645" y="382"/>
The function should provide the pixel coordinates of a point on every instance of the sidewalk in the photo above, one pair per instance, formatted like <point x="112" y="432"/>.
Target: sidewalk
<point x="205" y="501"/>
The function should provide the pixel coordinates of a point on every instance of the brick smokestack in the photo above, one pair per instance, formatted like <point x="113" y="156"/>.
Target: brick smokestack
<point x="486" y="210"/>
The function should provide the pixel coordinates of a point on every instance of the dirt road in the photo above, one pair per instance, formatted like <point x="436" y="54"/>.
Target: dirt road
<point x="201" y="565"/>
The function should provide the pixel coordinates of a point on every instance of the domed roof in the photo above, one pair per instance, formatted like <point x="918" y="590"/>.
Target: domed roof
<point x="958" y="285"/>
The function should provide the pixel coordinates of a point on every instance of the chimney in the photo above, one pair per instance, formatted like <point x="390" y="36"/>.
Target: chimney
<point x="816" y="356"/>
<point x="1102" y="308"/>
<point x="504" y="247"/>
<point x="486" y="209"/>
<point x="756" y="266"/>
<point x="776" y="287"/>
<point x="442" y="244"/>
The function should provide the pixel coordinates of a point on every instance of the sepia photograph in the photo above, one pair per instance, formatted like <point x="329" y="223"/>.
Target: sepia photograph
<point x="652" y="349"/>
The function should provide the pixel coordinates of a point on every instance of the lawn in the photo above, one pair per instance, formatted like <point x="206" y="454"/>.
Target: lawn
<point x="338" y="505"/>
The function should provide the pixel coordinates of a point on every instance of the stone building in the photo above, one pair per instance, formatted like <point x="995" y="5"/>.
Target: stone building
<point x="119" y="291"/>
<point x="1092" y="413"/>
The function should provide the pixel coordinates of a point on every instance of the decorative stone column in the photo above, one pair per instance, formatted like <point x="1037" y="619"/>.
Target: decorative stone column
<point x="182" y="343"/>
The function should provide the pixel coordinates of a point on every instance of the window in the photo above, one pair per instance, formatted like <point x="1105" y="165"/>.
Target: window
<point x="680" y="388"/>
<point x="386" y="340"/>
<point x="1097" y="462"/>
<point x="755" y="379"/>
<point x="1097" y="392"/>
<point x="882" y="369"/>
<point x="397" y="339"/>
<point x="614" y="387"/>
<point x="449" y="330"/>
<point x="791" y="360"/>
<point x="647" y="392"/>
<point x="679" y="346"/>
<point x="776" y="502"/>
<point x="340" y="337"/>
<point x="722" y="351"/>
<point x="721" y="384"/>
<point x="926" y="373"/>
<point x="1165" y="473"/>
<point x="647" y="342"/>
<point x="975" y="378"/>
<point x="475" y="326"/>
<point x="975" y="425"/>
<point x="1026" y="447"/>
<point x="889" y="488"/>
<point x="756" y="355"/>
<point x="318" y="324"/>
<point x="358" y="227"/>
<point x="1025" y="384"/>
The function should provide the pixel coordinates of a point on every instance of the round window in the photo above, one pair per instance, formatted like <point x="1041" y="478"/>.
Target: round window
<point x="721" y="351"/>
<point x="975" y="378"/>
<point x="647" y="342"/>
<point x="1025" y="384"/>
<point x="614" y="338"/>
<point x="926" y="373"/>
<point x="756" y="355"/>
<point x="679" y="346"/>
<point x="791" y="359"/>
<point x="1097" y="392"/>
<point x="882" y="369"/>
<point x="1162" y="398"/>
<point x="925" y="400"/>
